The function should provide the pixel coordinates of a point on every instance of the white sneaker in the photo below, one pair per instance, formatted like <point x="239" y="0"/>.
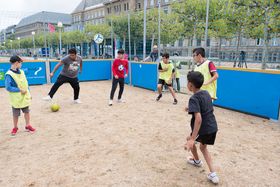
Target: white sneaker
<point x="213" y="177"/>
<point x="197" y="163"/>
<point x="121" y="101"/>
<point x="47" y="98"/>
<point x="110" y="102"/>
<point x="77" y="101"/>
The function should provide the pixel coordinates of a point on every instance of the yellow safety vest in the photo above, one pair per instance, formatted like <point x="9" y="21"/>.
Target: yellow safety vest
<point x="17" y="99"/>
<point x="212" y="87"/>
<point x="167" y="74"/>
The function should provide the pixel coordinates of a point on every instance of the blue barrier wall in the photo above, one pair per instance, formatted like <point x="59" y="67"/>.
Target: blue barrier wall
<point x="92" y="70"/>
<point x="144" y="75"/>
<point x="251" y="92"/>
<point x="35" y="72"/>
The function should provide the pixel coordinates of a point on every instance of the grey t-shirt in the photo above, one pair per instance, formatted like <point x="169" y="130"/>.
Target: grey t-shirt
<point x="201" y="102"/>
<point x="71" y="67"/>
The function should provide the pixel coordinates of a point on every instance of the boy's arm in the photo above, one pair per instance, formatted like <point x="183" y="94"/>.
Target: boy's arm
<point x="197" y="125"/>
<point x="81" y="66"/>
<point x="213" y="72"/>
<point x="213" y="78"/>
<point x="8" y="85"/>
<point x="126" y="67"/>
<point x="114" y="66"/>
<point x="56" y="67"/>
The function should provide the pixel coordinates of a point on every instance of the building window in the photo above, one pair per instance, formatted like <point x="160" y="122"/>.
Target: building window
<point x="258" y="57"/>
<point x="180" y="43"/>
<point x="223" y="42"/>
<point x="124" y="7"/>
<point x="165" y="10"/>
<point x="232" y="56"/>
<point x="259" y="42"/>
<point x="152" y="3"/>
<point x="272" y="57"/>
<point x="190" y="42"/>
<point x="127" y="6"/>
<point x="275" y="41"/>
<point x="198" y="42"/>
<point x="223" y="55"/>
<point x="138" y="5"/>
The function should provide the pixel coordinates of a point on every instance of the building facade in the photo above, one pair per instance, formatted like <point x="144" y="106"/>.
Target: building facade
<point x="38" y="23"/>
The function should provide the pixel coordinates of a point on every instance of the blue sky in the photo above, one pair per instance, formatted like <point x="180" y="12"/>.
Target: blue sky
<point x="11" y="11"/>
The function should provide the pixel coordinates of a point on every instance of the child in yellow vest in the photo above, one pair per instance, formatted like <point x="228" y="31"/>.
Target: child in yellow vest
<point x="166" y="73"/>
<point x="17" y="86"/>
<point x="208" y="70"/>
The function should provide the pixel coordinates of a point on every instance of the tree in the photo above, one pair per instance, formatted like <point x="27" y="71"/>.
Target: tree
<point x="192" y="15"/>
<point x="264" y="19"/>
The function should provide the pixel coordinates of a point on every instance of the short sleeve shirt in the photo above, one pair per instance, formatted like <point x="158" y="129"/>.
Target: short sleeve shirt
<point x="201" y="102"/>
<point x="71" y="67"/>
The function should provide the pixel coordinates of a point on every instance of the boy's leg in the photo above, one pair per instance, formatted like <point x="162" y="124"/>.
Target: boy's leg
<point x="172" y="91"/>
<point x="114" y="87"/>
<point x="178" y="84"/>
<point x="194" y="153"/>
<point x="27" y="118"/>
<point x="16" y="114"/>
<point x="173" y="94"/>
<point x="121" y="83"/>
<point x="76" y="87"/>
<point x="207" y="157"/>
<point x="60" y="80"/>
<point x="15" y="120"/>
<point x="159" y="87"/>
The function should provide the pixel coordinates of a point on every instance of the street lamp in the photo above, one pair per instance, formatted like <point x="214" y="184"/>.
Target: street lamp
<point x="11" y="41"/>
<point x="18" y="42"/>
<point x="60" y="25"/>
<point x="33" y="35"/>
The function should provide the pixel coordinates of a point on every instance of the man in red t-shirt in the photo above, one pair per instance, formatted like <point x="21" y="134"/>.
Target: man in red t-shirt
<point x="120" y="71"/>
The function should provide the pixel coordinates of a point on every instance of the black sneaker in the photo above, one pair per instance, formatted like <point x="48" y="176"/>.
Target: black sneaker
<point x="159" y="96"/>
<point x="175" y="102"/>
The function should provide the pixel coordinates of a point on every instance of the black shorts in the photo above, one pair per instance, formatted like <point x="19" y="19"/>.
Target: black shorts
<point x="162" y="82"/>
<point x="208" y="139"/>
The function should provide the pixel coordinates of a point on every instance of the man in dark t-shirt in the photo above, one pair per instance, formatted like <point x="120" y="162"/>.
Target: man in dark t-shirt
<point x="203" y="123"/>
<point x="72" y="65"/>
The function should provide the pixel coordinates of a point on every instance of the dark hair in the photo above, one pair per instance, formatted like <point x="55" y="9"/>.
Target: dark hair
<point x="72" y="51"/>
<point x="166" y="55"/>
<point x="121" y="51"/>
<point x="196" y="78"/>
<point x="199" y="51"/>
<point x="15" y="58"/>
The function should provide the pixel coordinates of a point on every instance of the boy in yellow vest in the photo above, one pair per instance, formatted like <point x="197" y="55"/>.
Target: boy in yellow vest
<point x="208" y="70"/>
<point x="166" y="73"/>
<point x="17" y="86"/>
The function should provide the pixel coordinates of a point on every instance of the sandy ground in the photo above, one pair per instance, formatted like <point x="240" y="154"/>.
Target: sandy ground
<point x="139" y="143"/>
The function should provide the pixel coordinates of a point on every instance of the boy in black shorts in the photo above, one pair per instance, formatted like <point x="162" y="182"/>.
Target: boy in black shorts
<point x="166" y="73"/>
<point x="203" y="123"/>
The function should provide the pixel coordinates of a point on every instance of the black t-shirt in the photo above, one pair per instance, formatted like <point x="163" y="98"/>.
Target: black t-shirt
<point x="201" y="102"/>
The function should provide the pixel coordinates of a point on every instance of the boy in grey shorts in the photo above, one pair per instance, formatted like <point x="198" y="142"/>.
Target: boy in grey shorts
<point x="17" y="86"/>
